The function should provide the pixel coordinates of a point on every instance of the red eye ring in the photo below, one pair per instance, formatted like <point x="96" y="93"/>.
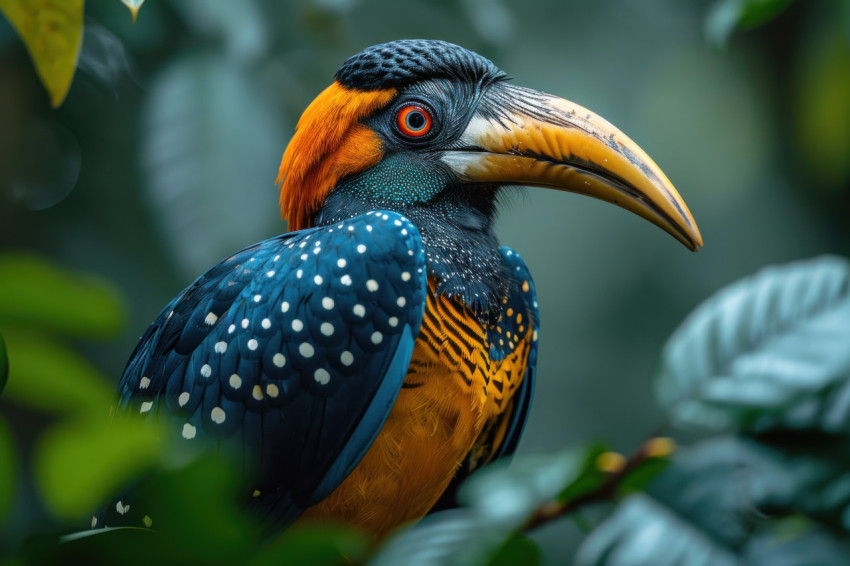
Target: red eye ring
<point x="414" y="121"/>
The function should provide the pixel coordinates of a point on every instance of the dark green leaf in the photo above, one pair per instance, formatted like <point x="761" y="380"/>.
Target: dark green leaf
<point x="79" y="464"/>
<point x="761" y="347"/>
<point x="590" y="477"/>
<point x="314" y="545"/>
<point x="195" y="517"/>
<point x="49" y="376"/>
<point x="803" y="544"/>
<point x="8" y="469"/>
<point x="4" y="364"/>
<point x="36" y="293"/>
<point x="131" y="546"/>
<point x="639" y="478"/>
<point x="209" y="168"/>
<point x="727" y="15"/>
<point x="198" y="512"/>
<point x="518" y="550"/>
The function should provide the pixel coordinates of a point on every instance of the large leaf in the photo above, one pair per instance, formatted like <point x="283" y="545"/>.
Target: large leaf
<point x="728" y="501"/>
<point x="758" y="349"/>
<point x="80" y="463"/>
<point x="35" y="293"/>
<point x="52" y="31"/>
<point x="642" y="531"/>
<point x="210" y="169"/>
<point x="47" y="375"/>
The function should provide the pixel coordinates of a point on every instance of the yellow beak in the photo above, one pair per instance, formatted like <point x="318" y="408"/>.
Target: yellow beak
<point x="519" y="136"/>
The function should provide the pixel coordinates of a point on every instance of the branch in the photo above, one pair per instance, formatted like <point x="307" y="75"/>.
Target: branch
<point x="617" y="467"/>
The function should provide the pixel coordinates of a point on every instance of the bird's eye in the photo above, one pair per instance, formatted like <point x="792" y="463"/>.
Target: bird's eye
<point x="414" y="121"/>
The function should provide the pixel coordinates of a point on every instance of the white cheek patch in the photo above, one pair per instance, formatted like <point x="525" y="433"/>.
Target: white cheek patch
<point x="476" y="131"/>
<point x="462" y="162"/>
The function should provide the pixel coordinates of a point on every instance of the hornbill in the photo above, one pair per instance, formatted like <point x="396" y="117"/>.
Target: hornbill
<point x="362" y="364"/>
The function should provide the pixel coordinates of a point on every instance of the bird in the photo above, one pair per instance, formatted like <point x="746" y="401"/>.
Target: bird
<point x="361" y="365"/>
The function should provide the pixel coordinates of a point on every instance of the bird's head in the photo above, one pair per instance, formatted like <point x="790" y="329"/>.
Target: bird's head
<point x="427" y="125"/>
<point x="435" y="131"/>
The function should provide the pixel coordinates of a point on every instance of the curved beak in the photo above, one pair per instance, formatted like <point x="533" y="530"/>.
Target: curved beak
<point x="519" y="136"/>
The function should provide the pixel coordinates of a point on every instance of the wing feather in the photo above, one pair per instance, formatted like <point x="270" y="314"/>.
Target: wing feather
<point x="291" y="351"/>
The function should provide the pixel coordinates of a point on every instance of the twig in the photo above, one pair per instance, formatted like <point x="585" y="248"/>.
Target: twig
<point x="652" y="448"/>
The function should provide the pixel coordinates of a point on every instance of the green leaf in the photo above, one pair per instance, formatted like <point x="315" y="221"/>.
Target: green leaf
<point x="727" y="15"/>
<point x="590" y="477"/>
<point x="518" y="550"/>
<point x="36" y="293"/>
<point x="8" y="468"/>
<point x="47" y="375"/>
<point x="52" y="31"/>
<point x="209" y="168"/>
<point x="727" y="500"/>
<point x="316" y="545"/>
<point x="134" y="6"/>
<point x="4" y="364"/>
<point x="754" y="352"/>
<point x="196" y="516"/>
<point x="642" y="531"/>
<point x="508" y="492"/>
<point x="459" y="537"/>
<point x="501" y="499"/>
<point x="78" y="464"/>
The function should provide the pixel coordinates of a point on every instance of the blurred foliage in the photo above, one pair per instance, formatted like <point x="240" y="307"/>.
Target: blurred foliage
<point x="171" y="135"/>
<point x="823" y="135"/>
<point x="4" y="364"/>
<point x="32" y="291"/>
<point x="727" y="15"/>
<point x="765" y="363"/>
<point x="81" y="453"/>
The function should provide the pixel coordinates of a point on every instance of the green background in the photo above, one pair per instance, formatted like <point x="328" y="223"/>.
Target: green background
<point x="162" y="160"/>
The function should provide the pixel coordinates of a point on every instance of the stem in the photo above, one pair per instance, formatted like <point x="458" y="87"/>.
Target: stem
<point x="554" y="509"/>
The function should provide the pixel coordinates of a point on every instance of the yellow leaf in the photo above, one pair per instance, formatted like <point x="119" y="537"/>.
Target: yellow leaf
<point x="134" y="6"/>
<point x="52" y="31"/>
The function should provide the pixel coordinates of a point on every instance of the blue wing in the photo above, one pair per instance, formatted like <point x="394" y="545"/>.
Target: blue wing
<point x="291" y="352"/>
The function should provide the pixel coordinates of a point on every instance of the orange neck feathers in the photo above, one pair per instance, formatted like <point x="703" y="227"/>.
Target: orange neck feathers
<point x="329" y="144"/>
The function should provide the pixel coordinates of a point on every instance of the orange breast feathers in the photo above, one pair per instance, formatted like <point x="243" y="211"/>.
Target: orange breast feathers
<point x="330" y="143"/>
<point x="455" y="406"/>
